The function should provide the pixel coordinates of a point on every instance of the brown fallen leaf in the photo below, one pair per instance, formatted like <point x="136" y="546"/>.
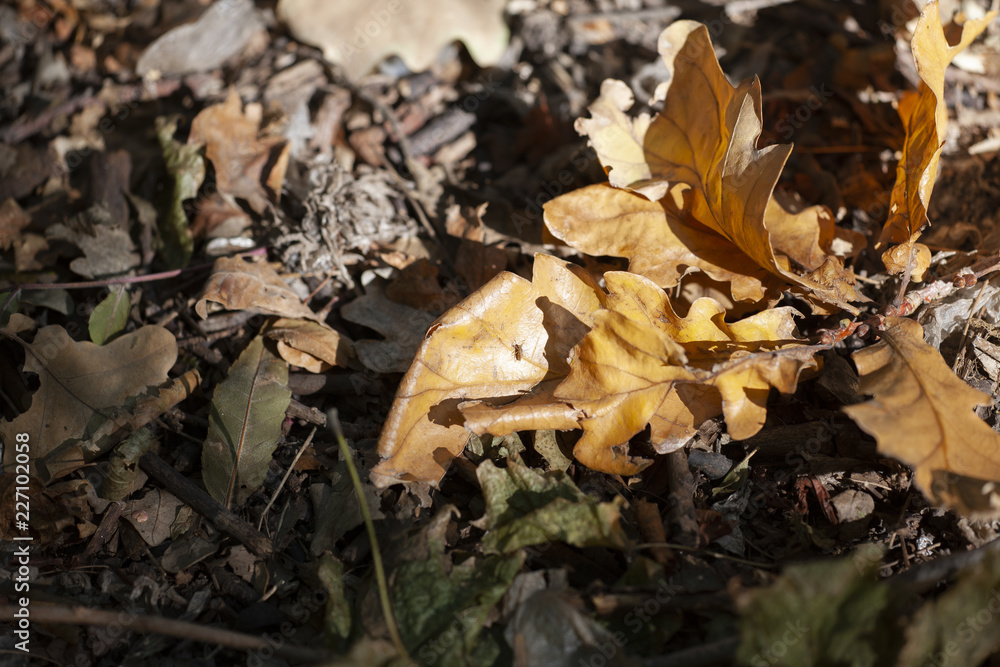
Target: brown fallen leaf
<point x="660" y="242"/>
<point x="502" y="340"/>
<point x="925" y="117"/>
<point x="310" y="345"/>
<point x="922" y="414"/>
<point x="642" y="364"/>
<point x="403" y="328"/>
<point x="80" y="385"/>
<point x="699" y="159"/>
<point x="241" y="285"/>
<point x="246" y="165"/>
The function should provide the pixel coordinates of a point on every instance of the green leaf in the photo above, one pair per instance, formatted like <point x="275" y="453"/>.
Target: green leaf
<point x="525" y="507"/>
<point x="735" y="478"/>
<point x="441" y="609"/>
<point x="962" y="625"/>
<point x="244" y="424"/>
<point x="826" y="613"/>
<point x="338" y="609"/>
<point x="186" y="167"/>
<point x="110" y="316"/>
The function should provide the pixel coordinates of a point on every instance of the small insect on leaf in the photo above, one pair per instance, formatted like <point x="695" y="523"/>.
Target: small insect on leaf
<point x="517" y="351"/>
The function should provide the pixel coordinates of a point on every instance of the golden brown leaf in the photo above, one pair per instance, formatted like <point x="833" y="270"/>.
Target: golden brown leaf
<point x="643" y="364"/>
<point x="699" y="158"/>
<point x="500" y="341"/>
<point x="925" y="118"/>
<point x="241" y="285"/>
<point x="244" y="163"/>
<point x="660" y="243"/>
<point x="622" y="372"/>
<point x="922" y="414"/>
<point x="624" y="375"/>
<point x="310" y="345"/>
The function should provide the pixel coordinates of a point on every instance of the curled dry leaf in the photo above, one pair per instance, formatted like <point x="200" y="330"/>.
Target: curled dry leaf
<point x="499" y="342"/>
<point x="705" y="187"/>
<point x="80" y="386"/>
<point x="922" y="414"/>
<point x="642" y="364"/>
<point x="310" y="345"/>
<point x="246" y="165"/>
<point x="560" y="353"/>
<point x="241" y="285"/>
<point x="925" y="118"/>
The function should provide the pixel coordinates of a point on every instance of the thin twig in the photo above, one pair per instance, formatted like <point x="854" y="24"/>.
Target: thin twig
<point x="45" y="613"/>
<point x="281" y="485"/>
<point x="206" y="505"/>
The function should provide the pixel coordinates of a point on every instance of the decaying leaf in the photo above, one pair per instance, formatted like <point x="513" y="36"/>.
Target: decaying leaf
<point x="442" y="607"/>
<point x="244" y="424"/>
<point x="824" y="613"/>
<point x="310" y="345"/>
<point x="358" y="34"/>
<point x="922" y="414"/>
<point x="502" y="340"/>
<point x="80" y="386"/>
<point x="186" y="168"/>
<point x="525" y="508"/>
<point x="219" y="34"/>
<point x="925" y="118"/>
<point x="697" y="190"/>
<point x="241" y="285"/>
<point x="246" y="165"/>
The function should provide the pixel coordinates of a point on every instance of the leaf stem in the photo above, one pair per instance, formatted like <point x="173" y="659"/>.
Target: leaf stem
<point x="383" y="588"/>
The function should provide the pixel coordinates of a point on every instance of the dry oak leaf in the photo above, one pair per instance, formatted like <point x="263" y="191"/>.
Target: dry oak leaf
<point x="359" y="34"/>
<point x="501" y="341"/>
<point x="925" y="118"/>
<point x="80" y="385"/>
<point x="659" y="241"/>
<point x="700" y="154"/>
<point x="643" y="364"/>
<point x="241" y="285"/>
<point x="246" y="165"/>
<point x="310" y="345"/>
<point x="922" y="414"/>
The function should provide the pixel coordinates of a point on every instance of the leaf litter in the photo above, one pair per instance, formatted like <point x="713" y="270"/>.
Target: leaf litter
<point x="546" y="348"/>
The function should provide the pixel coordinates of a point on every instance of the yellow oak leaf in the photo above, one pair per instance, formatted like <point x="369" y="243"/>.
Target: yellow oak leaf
<point x="925" y="118"/>
<point x="922" y="414"/>
<point x="643" y="364"/>
<point x="501" y="341"/>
